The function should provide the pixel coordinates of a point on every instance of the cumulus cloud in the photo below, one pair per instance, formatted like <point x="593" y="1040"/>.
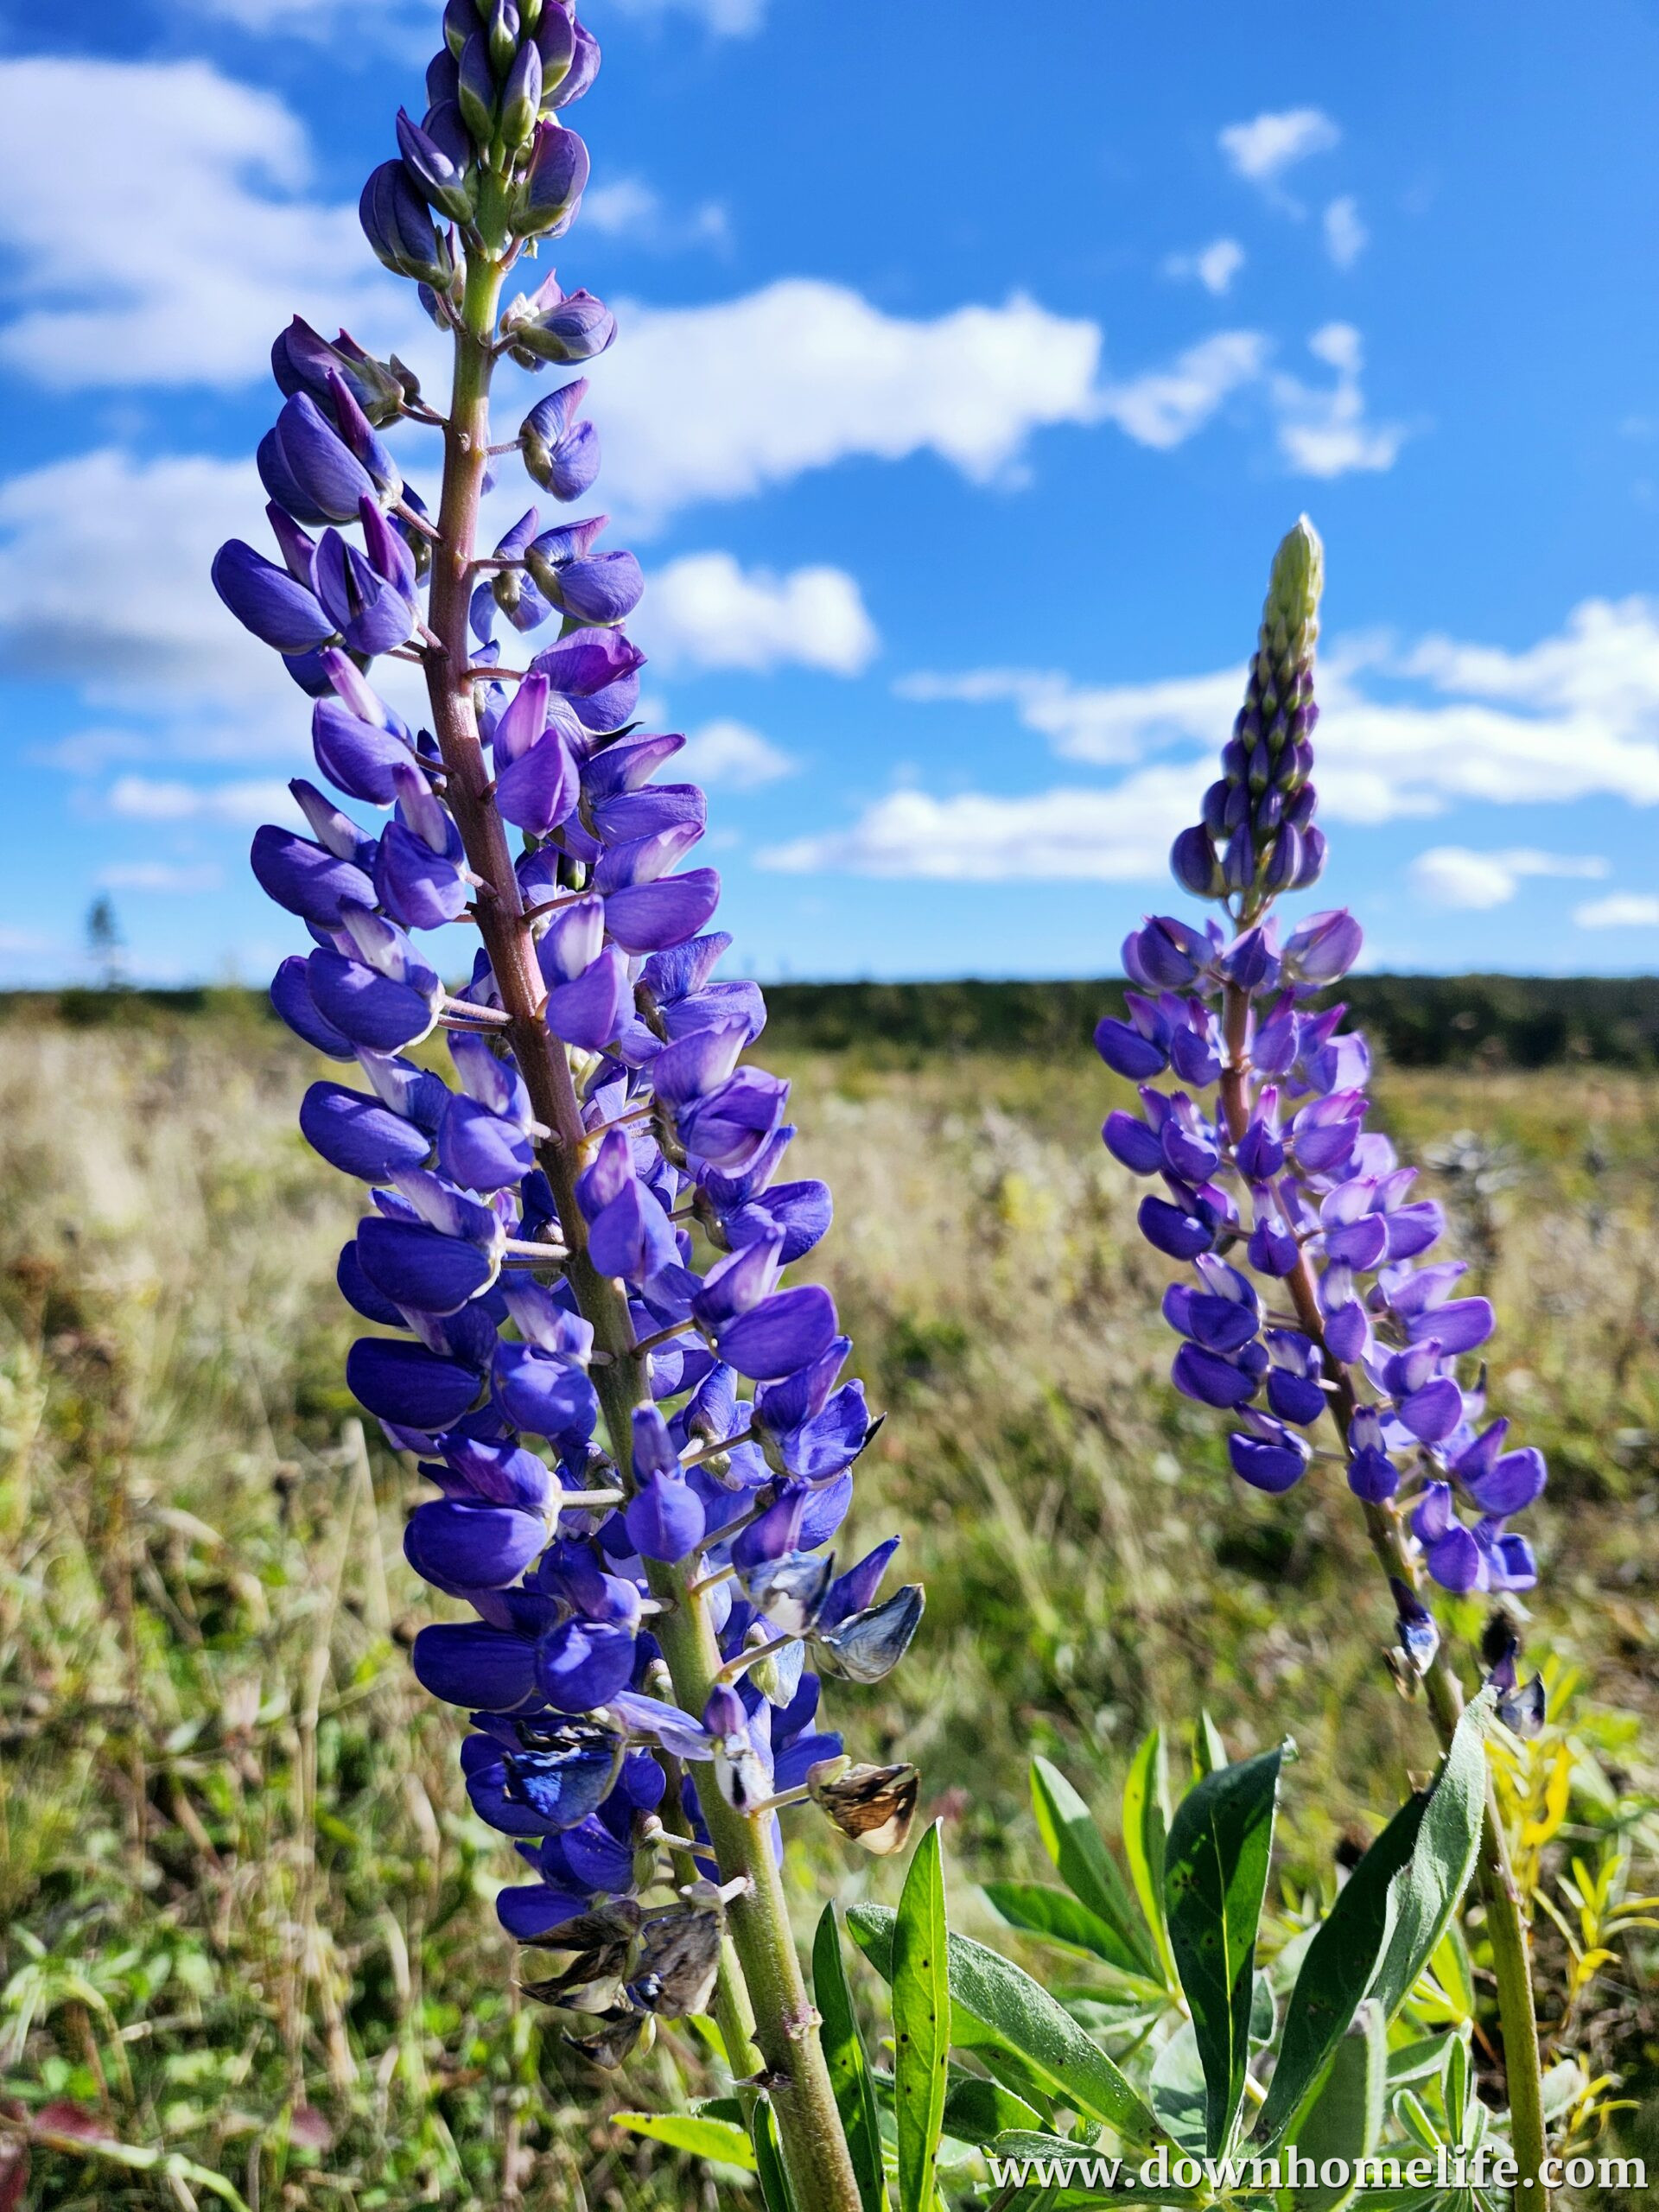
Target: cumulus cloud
<point x="1453" y="875"/>
<point x="1575" y="716"/>
<point x="1345" y="236"/>
<point x="1620" y="910"/>
<point x="1261" y="151"/>
<point x="732" y="756"/>
<point x="721" y="401"/>
<point x="1214" y="266"/>
<point x="211" y="243"/>
<point x="704" y="611"/>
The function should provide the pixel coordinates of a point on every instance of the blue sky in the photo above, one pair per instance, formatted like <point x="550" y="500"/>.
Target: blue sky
<point x="972" y="361"/>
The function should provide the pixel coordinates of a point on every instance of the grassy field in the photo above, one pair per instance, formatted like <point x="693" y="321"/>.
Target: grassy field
<point x="247" y="1914"/>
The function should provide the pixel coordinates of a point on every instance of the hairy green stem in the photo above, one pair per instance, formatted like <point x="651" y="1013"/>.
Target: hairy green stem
<point x="1443" y="1690"/>
<point x="773" y="2011"/>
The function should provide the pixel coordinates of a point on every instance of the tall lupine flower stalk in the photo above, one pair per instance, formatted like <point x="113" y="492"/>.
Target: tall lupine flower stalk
<point x="639" y="1456"/>
<point x="1311" y="1298"/>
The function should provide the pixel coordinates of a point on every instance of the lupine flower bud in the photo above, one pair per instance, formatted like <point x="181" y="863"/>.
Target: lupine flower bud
<point x="550" y="191"/>
<point x="521" y="97"/>
<point x="397" y="225"/>
<point x="301" y="360"/>
<point x="549" y="325"/>
<point x="448" y="185"/>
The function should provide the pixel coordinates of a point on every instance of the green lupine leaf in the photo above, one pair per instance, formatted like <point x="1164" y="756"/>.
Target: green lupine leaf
<point x="1180" y="2096"/>
<point x="1146" y="1830"/>
<point x="1085" y="1865"/>
<point x="977" y="2110"/>
<point x="704" y="2138"/>
<point x="1128" y="2189"/>
<point x="921" y="2023"/>
<point x="1337" y="1968"/>
<point x="991" y="2001"/>
<point x="1039" y="1909"/>
<point x="769" y="2159"/>
<point x="1346" y="2118"/>
<point x="1427" y="1891"/>
<point x="849" y="2071"/>
<point x="1216" y="1876"/>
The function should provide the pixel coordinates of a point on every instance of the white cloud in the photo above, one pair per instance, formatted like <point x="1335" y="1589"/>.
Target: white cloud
<point x="703" y="611"/>
<point x="1323" y="430"/>
<point x="1345" y="236"/>
<point x="1214" y="266"/>
<point x="1260" y="151"/>
<point x="628" y="207"/>
<point x="1452" y="875"/>
<point x="732" y="755"/>
<point x="721" y="401"/>
<point x="1621" y="910"/>
<point x="726" y="18"/>
<point x="1108" y="724"/>
<point x="165" y="877"/>
<point x="1575" y="716"/>
<point x="1163" y="406"/>
<point x="175" y="265"/>
<point x="144" y="798"/>
<point x="1115" y="836"/>
<point x="312" y="18"/>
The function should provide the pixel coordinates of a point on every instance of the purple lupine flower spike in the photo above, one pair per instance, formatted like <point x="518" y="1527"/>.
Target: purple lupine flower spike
<point x="626" y="1423"/>
<point x="1252" y="1122"/>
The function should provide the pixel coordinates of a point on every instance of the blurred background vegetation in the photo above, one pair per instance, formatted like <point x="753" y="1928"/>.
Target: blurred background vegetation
<point x="249" y="1954"/>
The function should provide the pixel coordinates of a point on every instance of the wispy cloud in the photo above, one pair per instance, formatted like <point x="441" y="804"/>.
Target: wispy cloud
<point x="628" y="207"/>
<point x="1455" y="876"/>
<point x="1345" y="236"/>
<point x="167" y="878"/>
<point x="731" y="756"/>
<point x="1214" y="266"/>
<point x="1163" y="406"/>
<point x="1575" y="716"/>
<point x="1323" y="430"/>
<point x="725" y="18"/>
<point x="144" y="798"/>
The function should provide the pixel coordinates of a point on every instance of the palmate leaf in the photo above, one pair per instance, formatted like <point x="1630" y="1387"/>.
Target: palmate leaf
<point x="1216" y="1876"/>
<point x="921" y="2024"/>
<point x="849" y="2072"/>
<point x="1087" y="1867"/>
<point x="994" y="2004"/>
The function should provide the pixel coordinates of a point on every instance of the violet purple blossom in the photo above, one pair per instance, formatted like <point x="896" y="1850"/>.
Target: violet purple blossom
<point x="580" y="1332"/>
<point x="1268" y="1183"/>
